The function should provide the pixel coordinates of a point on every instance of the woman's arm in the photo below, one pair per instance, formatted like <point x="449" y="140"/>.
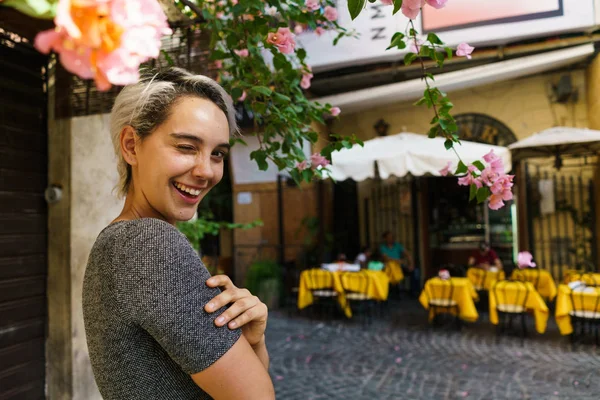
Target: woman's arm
<point x="237" y="375"/>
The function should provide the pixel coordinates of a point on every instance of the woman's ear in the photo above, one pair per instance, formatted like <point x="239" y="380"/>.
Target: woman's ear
<point x="128" y="139"/>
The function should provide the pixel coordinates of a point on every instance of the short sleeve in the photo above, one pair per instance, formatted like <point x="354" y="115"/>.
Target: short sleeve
<point x="163" y="289"/>
<point x="493" y="255"/>
<point x="400" y="250"/>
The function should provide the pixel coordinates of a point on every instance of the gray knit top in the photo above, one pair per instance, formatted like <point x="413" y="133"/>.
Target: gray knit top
<point x="144" y="294"/>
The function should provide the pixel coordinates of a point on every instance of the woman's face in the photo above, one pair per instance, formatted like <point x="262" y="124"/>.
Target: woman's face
<point x="182" y="159"/>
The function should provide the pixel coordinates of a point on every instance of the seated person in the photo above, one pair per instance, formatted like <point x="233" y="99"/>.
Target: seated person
<point x="485" y="258"/>
<point x="363" y="257"/>
<point x="375" y="262"/>
<point x="395" y="251"/>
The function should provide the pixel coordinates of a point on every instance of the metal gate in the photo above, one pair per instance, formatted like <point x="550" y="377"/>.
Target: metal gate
<point x="23" y="219"/>
<point x="393" y="208"/>
<point x="561" y="218"/>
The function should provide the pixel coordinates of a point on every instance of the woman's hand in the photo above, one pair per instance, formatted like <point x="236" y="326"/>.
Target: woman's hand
<point x="247" y="311"/>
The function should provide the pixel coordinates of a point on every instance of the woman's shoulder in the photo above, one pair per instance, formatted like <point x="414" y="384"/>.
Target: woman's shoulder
<point x="145" y="234"/>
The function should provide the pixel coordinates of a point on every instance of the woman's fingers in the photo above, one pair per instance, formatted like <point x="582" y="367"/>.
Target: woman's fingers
<point x="256" y="313"/>
<point x="240" y="307"/>
<point x="226" y="297"/>
<point x="220" y="281"/>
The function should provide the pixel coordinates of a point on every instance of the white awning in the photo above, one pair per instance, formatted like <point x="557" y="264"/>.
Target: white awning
<point x="477" y="76"/>
<point x="560" y="140"/>
<point x="406" y="153"/>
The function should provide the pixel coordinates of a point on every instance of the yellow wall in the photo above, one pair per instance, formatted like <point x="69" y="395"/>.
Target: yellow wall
<point x="521" y="104"/>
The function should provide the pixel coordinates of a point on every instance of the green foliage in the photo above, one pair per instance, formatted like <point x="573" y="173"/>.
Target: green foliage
<point x="205" y="225"/>
<point x="284" y="118"/>
<point x="355" y="7"/>
<point x="260" y="272"/>
<point x="43" y="9"/>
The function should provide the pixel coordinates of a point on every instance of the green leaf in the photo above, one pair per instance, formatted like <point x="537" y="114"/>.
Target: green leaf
<point x="449" y="52"/>
<point x="236" y="93"/>
<point x="479" y="165"/>
<point x="482" y="194"/>
<point x="169" y="59"/>
<point x="355" y="7"/>
<point x="397" y="40"/>
<point x="346" y="144"/>
<point x="434" y="39"/>
<point x="448" y="144"/>
<point x="472" y="192"/>
<point x="420" y="102"/>
<point x="397" y="6"/>
<point x="262" y="90"/>
<point x="42" y="9"/>
<point x="307" y="174"/>
<point x="461" y="169"/>
<point x="433" y="132"/>
<point x="260" y="156"/>
<point x="301" y="53"/>
<point x="409" y="58"/>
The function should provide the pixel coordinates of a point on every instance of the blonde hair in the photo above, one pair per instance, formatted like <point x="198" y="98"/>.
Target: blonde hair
<point x="148" y="103"/>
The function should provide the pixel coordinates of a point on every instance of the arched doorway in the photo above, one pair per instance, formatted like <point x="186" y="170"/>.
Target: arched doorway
<point x="482" y="128"/>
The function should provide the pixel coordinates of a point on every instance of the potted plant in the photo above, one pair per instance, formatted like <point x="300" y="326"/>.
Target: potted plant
<point x="263" y="279"/>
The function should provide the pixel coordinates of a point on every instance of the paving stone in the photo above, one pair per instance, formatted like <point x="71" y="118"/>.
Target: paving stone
<point x="400" y="356"/>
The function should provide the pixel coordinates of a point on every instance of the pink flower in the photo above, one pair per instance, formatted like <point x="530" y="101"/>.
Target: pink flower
<point x="283" y="39"/>
<point x="491" y="156"/>
<point x="411" y="8"/>
<point x="444" y="274"/>
<point x="525" y="259"/>
<point x="495" y="202"/>
<point x="469" y="180"/>
<point x="464" y="50"/>
<point x="306" y="77"/>
<point x="242" y="53"/>
<point x="243" y="96"/>
<point x="446" y="170"/>
<point x="318" y="160"/>
<point x="301" y="166"/>
<point x="319" y="31"/>
<point x="335" y="111"/>
<point x="437" y="3"/>
<point x="105" y="40"/>
<point x="415" y="47"/>
<point x="298" y="29"/>
<point x="219" y="64"/>
<point x="312" y="5"/>
<point x="489" y="176"/>
<point x="387" y="2"/>
<point x="497" y="166"/>
<point x="331" y="13"/>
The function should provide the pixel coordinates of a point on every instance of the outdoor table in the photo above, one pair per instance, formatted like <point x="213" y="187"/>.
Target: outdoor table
<point x="482" y="279"/>
<point x="564" y="306"/>
<point x="541" y="279"/>
<point x="591" y="279"/>
<point x="394" y="272"/>
<point x="464" y="294"/>
<point x="377" y="289"/>
<point x="535" y="302"/>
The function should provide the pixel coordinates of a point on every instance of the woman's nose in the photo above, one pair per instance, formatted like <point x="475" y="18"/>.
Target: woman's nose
<point x="203" y="168"/>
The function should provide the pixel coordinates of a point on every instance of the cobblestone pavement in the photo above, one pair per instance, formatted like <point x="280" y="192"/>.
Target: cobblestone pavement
<point x="400" y="356"/>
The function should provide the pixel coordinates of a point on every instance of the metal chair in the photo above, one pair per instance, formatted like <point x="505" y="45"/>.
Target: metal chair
<point x="511" y="302"/>
<point x="582" y="314"/>
<point x="320" y="283"/>
<point x="356" y="287"/>
<point x="479" y="277"/>
<point x="440" y="297"/>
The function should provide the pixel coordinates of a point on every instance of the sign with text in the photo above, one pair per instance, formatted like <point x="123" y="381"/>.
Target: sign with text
<point x="468" y="13"/>
<point x="477" y="22"/>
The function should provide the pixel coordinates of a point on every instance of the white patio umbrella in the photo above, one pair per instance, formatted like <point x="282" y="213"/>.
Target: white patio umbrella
<point x="558" y="141"/>
<point x="406" y="153"/>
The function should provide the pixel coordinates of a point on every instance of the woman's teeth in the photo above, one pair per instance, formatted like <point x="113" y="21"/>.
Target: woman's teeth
<point x="183" y="188"/>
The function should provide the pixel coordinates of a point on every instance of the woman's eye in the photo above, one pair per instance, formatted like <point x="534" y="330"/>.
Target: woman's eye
<point x="219" y="153"/>
<point x="186" y="147"/>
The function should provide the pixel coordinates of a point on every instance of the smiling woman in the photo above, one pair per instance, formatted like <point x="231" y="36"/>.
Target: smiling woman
<point x="156" y="321"/>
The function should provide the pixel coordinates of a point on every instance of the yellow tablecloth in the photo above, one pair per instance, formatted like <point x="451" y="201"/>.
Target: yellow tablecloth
<point x="507" y="293"/>
<point x="564" y="306"/>
<point x="483" y="278"/>
<point x="591" y="279"/>
<point x="394" y="272"/>
<point x="543" y="281"/>
<point x="464" y="295"/>
<point x="377" y="289"/>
